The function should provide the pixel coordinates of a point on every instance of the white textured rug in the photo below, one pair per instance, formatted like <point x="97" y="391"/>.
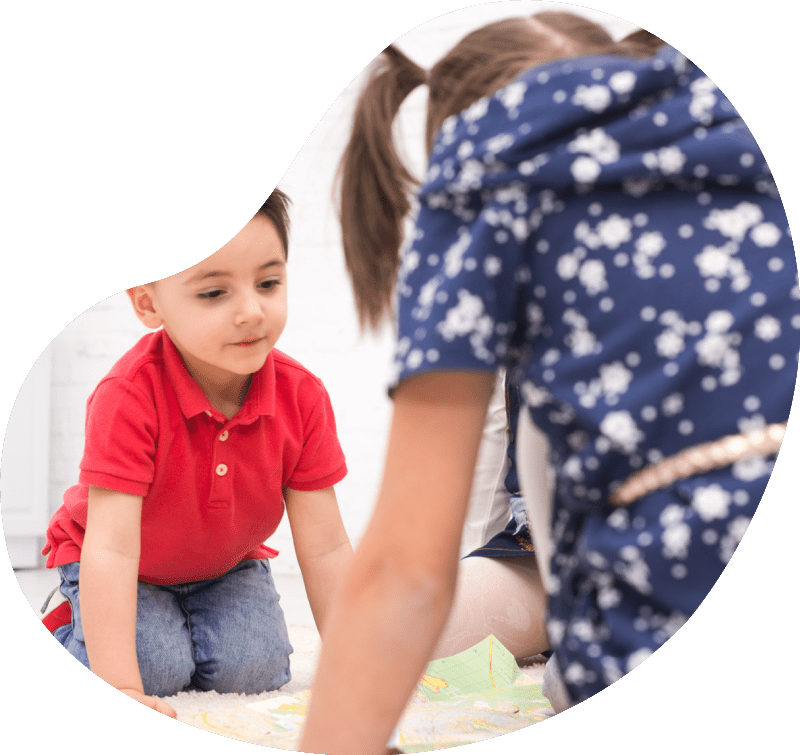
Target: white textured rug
<point x="307" y="645"/>
<point x="475" y="695"/>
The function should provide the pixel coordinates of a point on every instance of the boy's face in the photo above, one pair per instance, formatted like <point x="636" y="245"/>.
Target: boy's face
<point x="226" y="313"/>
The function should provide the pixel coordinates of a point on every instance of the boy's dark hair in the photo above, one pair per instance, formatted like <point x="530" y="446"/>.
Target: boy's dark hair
<point x="276" y="209"/>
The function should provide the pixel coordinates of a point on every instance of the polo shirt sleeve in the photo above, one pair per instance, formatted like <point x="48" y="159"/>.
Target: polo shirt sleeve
<point x="121" y="436"/>
<point x="322" y="461"/>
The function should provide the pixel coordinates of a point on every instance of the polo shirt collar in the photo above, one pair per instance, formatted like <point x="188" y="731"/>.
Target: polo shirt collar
<point x="260" y="399"/>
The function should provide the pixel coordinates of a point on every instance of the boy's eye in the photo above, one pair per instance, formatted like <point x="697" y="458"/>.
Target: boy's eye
<point x="267" y="285"/>
<point x="210" y="294"/>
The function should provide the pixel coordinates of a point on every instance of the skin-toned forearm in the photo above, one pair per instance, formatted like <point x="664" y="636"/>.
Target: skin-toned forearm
<point x="381" y="615"/>
<point x="321" y="544"/>
<point x="108" y="584"/>
<point x="394" y="602"/>
<point x="323" y="576"/>
<point x="109" y="574"/>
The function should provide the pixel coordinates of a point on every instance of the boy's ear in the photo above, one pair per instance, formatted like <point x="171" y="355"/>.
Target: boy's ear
<point x="143" y="306"/>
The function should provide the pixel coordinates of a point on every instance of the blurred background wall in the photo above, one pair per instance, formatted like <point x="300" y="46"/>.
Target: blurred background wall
<point x="44" y="441"/>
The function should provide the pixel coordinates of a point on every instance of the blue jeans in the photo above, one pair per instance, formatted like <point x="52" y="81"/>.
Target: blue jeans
<point x="226" y="634"/>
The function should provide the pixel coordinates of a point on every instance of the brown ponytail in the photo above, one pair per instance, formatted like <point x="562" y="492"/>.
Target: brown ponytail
<point x="640" y="44"/>
<point x="375" y="186"/>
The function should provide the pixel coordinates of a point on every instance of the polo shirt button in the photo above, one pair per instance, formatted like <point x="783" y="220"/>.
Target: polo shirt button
<point x="221" y="469"/>
<point x="223" y="435"/>
<point x="208" y="412"/>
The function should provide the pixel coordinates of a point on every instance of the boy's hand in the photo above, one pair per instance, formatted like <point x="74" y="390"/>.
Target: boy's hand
<point x="151" y="702"/>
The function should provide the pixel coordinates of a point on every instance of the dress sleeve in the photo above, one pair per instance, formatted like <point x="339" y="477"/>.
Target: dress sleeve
<point x="462" y="285"/>
<point x="322" y="461"/>
<point x="123" y="458"/>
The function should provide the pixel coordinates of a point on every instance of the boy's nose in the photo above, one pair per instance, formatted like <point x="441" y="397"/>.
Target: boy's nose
<point x="249" y="309"/>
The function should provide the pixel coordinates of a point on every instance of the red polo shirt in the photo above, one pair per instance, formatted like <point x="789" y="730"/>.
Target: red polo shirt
<point x="212" y="487"/>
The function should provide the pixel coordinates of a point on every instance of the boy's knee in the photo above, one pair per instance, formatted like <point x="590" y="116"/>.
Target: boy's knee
<point x="263" y="672"/>
<point x="165" y="674"/>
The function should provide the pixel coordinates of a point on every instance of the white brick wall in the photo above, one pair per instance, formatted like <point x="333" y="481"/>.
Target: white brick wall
<point x="82" y="354"/>
<point x="322" y="331"/>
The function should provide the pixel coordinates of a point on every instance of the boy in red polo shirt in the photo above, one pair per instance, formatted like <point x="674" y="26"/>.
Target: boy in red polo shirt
<point x="194" y="440"/>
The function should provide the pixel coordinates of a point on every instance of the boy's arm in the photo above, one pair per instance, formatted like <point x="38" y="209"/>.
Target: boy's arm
<point x="395" y="599"/>
<point x="321" y="544"/>
<point x="108" y="586"/>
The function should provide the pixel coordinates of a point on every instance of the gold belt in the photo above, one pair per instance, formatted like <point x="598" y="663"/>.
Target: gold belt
<point x="704" y="457"/>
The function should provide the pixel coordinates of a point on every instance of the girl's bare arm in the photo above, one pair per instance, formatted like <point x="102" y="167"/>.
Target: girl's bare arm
<point x="394" y="602"/>
<point x="108" y="585"/>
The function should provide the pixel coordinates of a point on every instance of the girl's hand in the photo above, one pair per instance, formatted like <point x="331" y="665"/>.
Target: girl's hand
<point x="151" y="702"/>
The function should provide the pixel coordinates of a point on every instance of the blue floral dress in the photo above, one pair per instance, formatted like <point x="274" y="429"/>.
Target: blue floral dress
<point x="608" y="229"/>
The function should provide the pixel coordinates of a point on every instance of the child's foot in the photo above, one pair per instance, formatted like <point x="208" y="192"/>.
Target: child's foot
<point x="58" y="616"/>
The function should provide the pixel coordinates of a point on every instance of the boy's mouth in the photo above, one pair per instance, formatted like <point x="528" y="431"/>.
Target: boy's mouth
<point x="249" y="342"/>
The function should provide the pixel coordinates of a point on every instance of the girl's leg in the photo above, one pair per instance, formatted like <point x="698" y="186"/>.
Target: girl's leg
<point x="162" y="639"/>
<point x="536" y="489"/>
<point x="553" y="687"/>
<point x="239" y="635"/>
<point x="499" y="596"/>
<point x="489" y="500"/>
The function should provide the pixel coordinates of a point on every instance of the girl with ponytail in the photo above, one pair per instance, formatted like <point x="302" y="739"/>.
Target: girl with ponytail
<point x="572" y="181"/>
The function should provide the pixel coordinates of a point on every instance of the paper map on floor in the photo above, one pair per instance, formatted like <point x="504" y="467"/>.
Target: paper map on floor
<point x="469" y="697"/>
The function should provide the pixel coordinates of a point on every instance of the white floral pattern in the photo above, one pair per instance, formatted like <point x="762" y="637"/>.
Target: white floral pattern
<point x="611" y="233"/>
